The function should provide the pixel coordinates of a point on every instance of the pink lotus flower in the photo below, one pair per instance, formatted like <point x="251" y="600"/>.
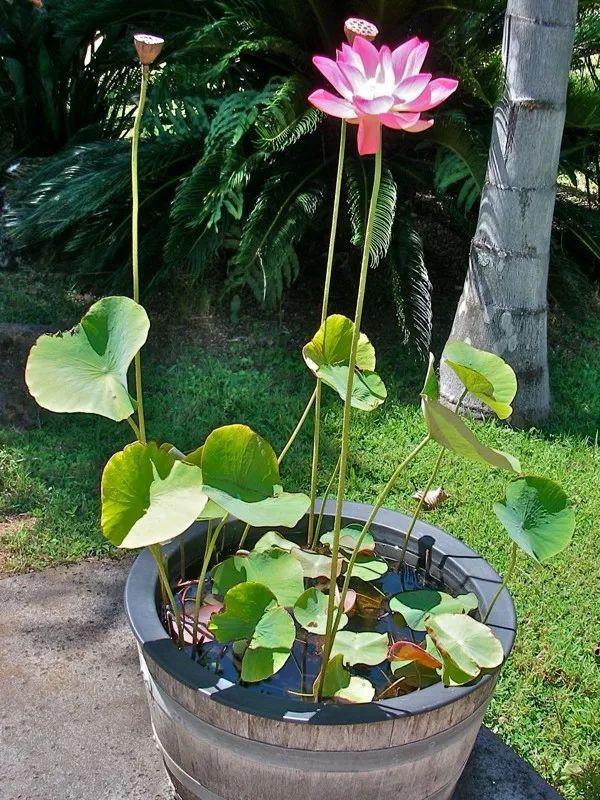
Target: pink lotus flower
<point x="380" y="87"/>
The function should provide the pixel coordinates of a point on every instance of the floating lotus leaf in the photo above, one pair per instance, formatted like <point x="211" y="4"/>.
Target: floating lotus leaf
<point x="369" y="568"/>
<point x="241" y="475"/>
<point x="310" y="611"/>
<point x="273" y="539"/>
<point x="448" y="429"/>
<point x="148" y="497"/>
<point x="465" y="645"/>
<point x="348" y="538"/>
<point x="431" y="386"/>
<point x="251" y="613"/>
<point x="336" y="676"/>
<point x="537" y="516"/>
<point x="484" y="374"/>
<point x="367" y="647"/>
<point x="85" y="369"/>
<point x="359" y="690"/>
<point x="278" y="570"/>
<point x="314" y="565"/>
<point x="327" y="355"/>
<point x="415" y="606"/>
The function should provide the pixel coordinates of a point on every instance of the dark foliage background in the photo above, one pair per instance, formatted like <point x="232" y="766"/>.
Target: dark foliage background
<point x="237" y="170"/>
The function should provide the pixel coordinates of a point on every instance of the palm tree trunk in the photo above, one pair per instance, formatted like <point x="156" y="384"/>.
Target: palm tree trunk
<point x="503" y="306"/>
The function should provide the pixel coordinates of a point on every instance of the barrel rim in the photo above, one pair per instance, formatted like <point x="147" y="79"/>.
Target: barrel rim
<point x="463" y="570"/>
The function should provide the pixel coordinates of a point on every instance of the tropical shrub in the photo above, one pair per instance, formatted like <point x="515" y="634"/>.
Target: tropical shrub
<point x="228" y="137"/>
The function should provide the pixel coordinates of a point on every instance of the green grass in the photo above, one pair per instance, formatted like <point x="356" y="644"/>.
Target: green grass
<point x="547" y="702"/>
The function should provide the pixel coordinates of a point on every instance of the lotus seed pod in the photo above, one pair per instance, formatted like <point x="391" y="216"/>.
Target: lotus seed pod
<point x="148" y="47"/>
<point x="359" y="27"/>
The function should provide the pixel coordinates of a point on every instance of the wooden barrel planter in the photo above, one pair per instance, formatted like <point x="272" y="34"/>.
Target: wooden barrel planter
<point x="221" y="741"/>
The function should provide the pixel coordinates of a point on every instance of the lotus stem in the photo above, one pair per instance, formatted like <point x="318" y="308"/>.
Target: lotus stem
<point x="244" y="536"/>
<point x="210" y="543"/>
<point x="507" y="575"/>
<point x="419" y="507"/>
<point x="182" y="560"/>
<point x="298" y="427"/>
<point x="378" y="503"/>
<point x="324" y="308"/>
<point x="134" y="427"/>
<point x="135" y="204"/>
<point x="335" y="547"/>
<point x="325" y="499"/>
<point x="157" y="554"/>
<point x="415" y="516"/>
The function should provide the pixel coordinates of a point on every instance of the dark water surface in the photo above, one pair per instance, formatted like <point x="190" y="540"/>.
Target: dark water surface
<point x="296" y="678"/>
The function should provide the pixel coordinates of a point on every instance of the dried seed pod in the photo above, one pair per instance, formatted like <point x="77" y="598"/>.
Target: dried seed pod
<point x="148" y="47"/>
<point x="359" y="27"/>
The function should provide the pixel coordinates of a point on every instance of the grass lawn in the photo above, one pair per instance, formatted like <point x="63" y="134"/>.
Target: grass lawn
<point x="209" y="373"/>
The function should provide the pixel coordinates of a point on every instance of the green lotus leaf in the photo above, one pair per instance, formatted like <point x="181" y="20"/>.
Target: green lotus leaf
<point x="415" y="606"/>
<point x="278" y="570"/>
<point x="251" y="613"/>
<point x="148" y="497"/>
<point x="314" y="565"/>
<point x="336" y="676"/>
<point x="369" y="568"/>
<point x="211" y="510"/>
<point x="273" y="539"/>
<point x="327" y="355"/>
<point x="310" y="611"/>
<point x="537" y="516"/>
<point x="431" y="386"/>
<point x="85" y="369"/>
<point x="466" y="646"/>
<point x="484" y="374"/>
<point x="240" y="463"/>
<point x="450" y="674"/>
<point x="367" y="647"/>
<point x="228" y="574"/>
<point x="359" y="690"/>
<point x="348" y="538"/>
<point x="447" y="428"/>
<point x="241" y="475"/>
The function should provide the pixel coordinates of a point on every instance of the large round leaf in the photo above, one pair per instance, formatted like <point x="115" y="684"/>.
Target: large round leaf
<point x="447" y="428"/>
<point x="327" y="355"/>
<point x="484" y="374"/>
<point x="241" y="475"/>
<point x="310" y="611"/>
<point x="251" y="613"/>
<point x="239" y="462"/>
<point x="360" y="648"/>
<point x="278" y="570"/>
<point x="469" y="645"/>
<point x="537" y="516"/>
<point x="415" y="606"/>
<point x="148" y="497"/>
<point x="85" y="369"/>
